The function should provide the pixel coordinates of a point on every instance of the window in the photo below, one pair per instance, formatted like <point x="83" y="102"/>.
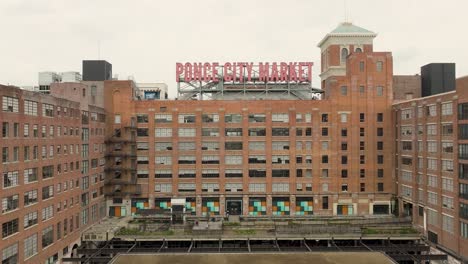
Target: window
<point x="344" y="55"/>
<point x="447" y="165"/>
<point x="210" y="159"/>
<point x="361" y="132"/>
<point x="47" y="236"/>
<point x="380" y="145"/>
<point x="233" y="145"/>
<point x="47" y="172"/>
<point x="361" y="66"/>
<point x="233" y="132"/>
<point x="163" y="187"/>
<point x="233" y="160"/>
<point x="142" y="118"/>
<point x="5" y="155"/>
<point x="47" y="192"/>
<point x="379" y="66"/>
<point x="280" y="145"/>
<point x="255" y="132"/>
<point x="344" y="90"/>
<point x="257" y="173"/>
<point x="30" y="175"/>
<point x="143" y="145"/>
<point x="280" y="187"/>
<point x="432" y="217"/>
<point x="257" y="187"/>
<point x="186" y="146"/>
<point x="163" y="174"/>
<point x="325" y="202"/>
<point x="447" y="202"/>
<point x="432" y="110"/>
<point x="256" y="145"/>
<point x="187" y="160"/>
<point x="447" y="184"/>
<point x="5" y="129"/>
<point x="233" y="118"/>
<point x="447" y="108"/>
<point x="186" y="118"/>
<point x="324" y="118"/>
<point x="47" y="110"/>
<point x="30" y="197"/>
<point x="117" y="119"/>
<point x="210" y="145"/>
<point x="280" y="131"/>
<point x="187" y="132"/>
<point x="210" y="132"/>
<point x="163" y="132"/>
<point x="362" y="89"/>
<point x="380" y="132"/>
<point x="210" y="118"/>
<point x="163" y="160"/>
<point x="47" y="212"/>
<point x="30" y="246"/>
<point x="343" y="117"/>
<point x="10" y="254"/>
<point x="10" y="179"/>
<point x="324" y="131"/>
<point x="380" y="187"/>
<point x="10" y="104"/>
<point x="431" y="129"/>
<point x="432" y="146"/>
<point x="162" y="118"/>
<point x="379" y="117"/>
<point x="257" y="118"/>
<point x="379" y="90"/>
<point x="362" y="117"/>
<point x="186" y="187"/>
<point x="30" y="108"/>
<point x="233" y="187"/>
<point x="10" y="203"/>
<point x="9" y="228"/>
<point x="233" y="173"/>
<point x="448" y="223"/>
<point x="280" y="118"/>
<point x="275" y="159"/>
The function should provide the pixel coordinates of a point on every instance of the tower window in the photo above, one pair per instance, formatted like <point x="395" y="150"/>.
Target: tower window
<point x="344" y="55"/>
<point x="358" y="50"/>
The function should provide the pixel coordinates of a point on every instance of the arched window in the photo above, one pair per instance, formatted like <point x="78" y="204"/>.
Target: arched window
<point x="358" y="50"/>
<point x="344" y="54"/>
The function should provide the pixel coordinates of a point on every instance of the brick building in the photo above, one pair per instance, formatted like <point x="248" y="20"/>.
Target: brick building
<point x="52" y="171"/>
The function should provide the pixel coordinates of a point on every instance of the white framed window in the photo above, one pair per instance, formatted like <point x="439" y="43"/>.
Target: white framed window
<point x="406" y="113"/>
<point x="47" y="110"/>
<point x="163" y="187"/>
<point x="432" y="217"/>
<point x="280" y="187"/>
<point x="431" y="129"/>
<point x="432" y="181"/>
<point x="432" y="164"/>
<point x="233" y="160"/>
<point x="432" y="110"/>
<point x="187" y="132"/>
<point x="447" y="108"/>
<point x="432" y="146"/>
<point x="30" y="246"/>
<point x="163" y="132"/>
<point x="432" y="198"/>
<point x="447" y="202"/>
<point x="447" y="184"/>
<point x="30" y="108"/>
<point x="281" y="118"/>
<point x="448" y="223"/>
<point x="10" y="179"/>
<point x="343" y="117"/>
<point x="187" y="118"/>
<point x="163" y="160"/>
<point x="257" y="187"/>
<point x="117" y="119"/>
<point x="47" y="212"/>
<point x="10" y="104"/>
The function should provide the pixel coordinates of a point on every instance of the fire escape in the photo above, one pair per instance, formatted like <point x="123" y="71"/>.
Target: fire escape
<point x="121" y="162"/>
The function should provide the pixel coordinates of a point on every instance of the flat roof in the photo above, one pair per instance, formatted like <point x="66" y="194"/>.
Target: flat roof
<point x="257" y="258"/>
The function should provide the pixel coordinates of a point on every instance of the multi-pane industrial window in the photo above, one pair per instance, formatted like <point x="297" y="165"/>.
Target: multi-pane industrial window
<point x="406" y="114"/>
<point x="256" y="145"/>
<point x="187" y="132"/>
<point x="407" y="161"/>
<point x="259" y="159"/>
<point x="432" y="164"/>
<point x="213" y="173"/>
<point x="233" y="145"/>
<point x="233" y="132"/>
<point x="163" y="132"/>
<point x="447" y="165"/>
<point x="280" y="173"/>
<point x="26" y="130"/>
<point x="233" y="173"/>
<point x="187" y="146"/>
<point x="432" y="146"/>
<point x="186" y="187"/>
<point x="30" y="246"/>
<point x="187" y="160"/>
<point x="256" y="132"/>
<point x="210" y="145"/>
<point x="5" y="155"/>
<point x="233" y="160"/>
<point x="406" y="191"/>
<point x="464" y="191"/>
<point x="432" y="110"/>
<point x="47" y="110"/>
<point x="447" y="108"/>
<point x="142" y="132"/>
<point x="210" y="187"/>
<point x="186" y="118"/>
<point x="30" y="175"/>
<point x="447" y="184"/>
<point x="10" y="254"/>
<point x="210" y="132"/>
<point x="47" y="172"/>
<point x="210" y="118"/>
<point x="10" y="179"/>
<point x="163" y="174"/>
<point x="432" y="198"/>
<point x="343" y="117"/>
<point x="233" y="187"/>
<point x="447" y="129"/>
<point x="47" y="236"/>
<point x="380" y="90"/>
<point x="47" y="192"/>
<point x="162" y="118"/>
<point x="447" y="202"/>
<point x="9" y="228"/>
<point x="432" y="181"/>
<point x="280" y="145"/>
<point x="431" y="130"/>
<point x="163" y="187"/>
<point x="280" y="131"/>
<point x="407" y="145"/>
<point x="379" y="66"/>
<point x="407" y="176"/>
<point x="380" y="132"/>
<point x="162" y="146"/>
<point x="257" y="187"/>
<point x="447" y="223"/>
<point x="142" y="118"/>
<point x="447" y="147"/>
<point x="280" y="187"/>
<point x="210" y="159"/>
<point x="47" y="212"/>
<point x="432" y="217"/>
<point x="406" y="130"/>
<point x="163" y="160"/>
<point x="10" y="203"/>
<point x="10" y="104"/>
<point x="280" y="118"/>
<point x="30" y="197"/>
<point x="379" y="117"/>
<point x="257" y="118"/>
<point x="143" y="145"/>
<point x="257" y="173"/>
<point x="232" y="118"/>
<point x="463" y="151"/>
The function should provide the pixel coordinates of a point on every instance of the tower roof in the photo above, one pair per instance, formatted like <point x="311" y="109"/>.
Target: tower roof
<point x="347" y="29"/>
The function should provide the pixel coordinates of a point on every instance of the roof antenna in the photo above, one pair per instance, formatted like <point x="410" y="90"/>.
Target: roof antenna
<point x="345" y="11"/>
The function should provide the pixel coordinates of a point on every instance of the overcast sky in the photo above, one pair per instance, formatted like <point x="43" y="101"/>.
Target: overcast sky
<point x="145" y="38"/>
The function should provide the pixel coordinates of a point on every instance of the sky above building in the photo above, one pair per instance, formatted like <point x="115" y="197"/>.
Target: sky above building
<point x="145" y="38"/>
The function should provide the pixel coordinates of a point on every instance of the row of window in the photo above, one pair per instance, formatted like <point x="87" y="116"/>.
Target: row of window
<point x="431" y="111"/>
<point x="446" y="129"/>
<point x="237" y="118"/>
<point x="431" y="163"/>
<point x="432" y="146"/>
<point x="45" y="131"/>
<point x="253" y="187"/>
